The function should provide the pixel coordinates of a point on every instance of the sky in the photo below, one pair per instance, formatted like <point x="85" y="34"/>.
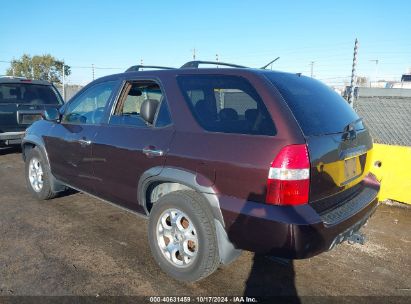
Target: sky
<point x="113" y="35"/>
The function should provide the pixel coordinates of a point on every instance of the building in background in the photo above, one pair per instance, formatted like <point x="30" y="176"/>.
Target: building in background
<point x="70" y="90"/>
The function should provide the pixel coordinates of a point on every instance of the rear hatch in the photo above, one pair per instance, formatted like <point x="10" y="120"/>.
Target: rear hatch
<point x="22" y="102"/>
<point x="339" y="145"/>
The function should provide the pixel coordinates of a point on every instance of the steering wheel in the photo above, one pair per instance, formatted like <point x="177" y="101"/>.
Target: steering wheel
<point x="74" y="118"/>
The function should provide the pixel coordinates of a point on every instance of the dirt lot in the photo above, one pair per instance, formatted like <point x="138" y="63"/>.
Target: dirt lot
<point x="77" y="245"/>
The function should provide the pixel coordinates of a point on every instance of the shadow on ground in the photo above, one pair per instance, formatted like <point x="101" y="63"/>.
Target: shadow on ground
<point x="271" y="277"/>
<point x="10" y="150"/>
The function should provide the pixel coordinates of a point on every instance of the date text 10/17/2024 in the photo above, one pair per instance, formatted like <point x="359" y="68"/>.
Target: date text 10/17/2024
<point x="202" y="299"/>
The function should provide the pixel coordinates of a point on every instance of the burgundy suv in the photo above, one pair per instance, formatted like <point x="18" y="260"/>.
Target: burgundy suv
<point x="218" y="159"/>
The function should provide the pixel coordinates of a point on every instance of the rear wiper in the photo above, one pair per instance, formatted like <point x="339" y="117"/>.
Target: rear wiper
<point x="349" y="130"/>
<point x="351" y="125"/>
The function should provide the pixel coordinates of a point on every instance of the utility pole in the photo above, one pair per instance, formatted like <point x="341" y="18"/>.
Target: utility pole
<point x="354" y="66"/>
<point x="194" y="54"/>
<point x="92" y="68"/>
<point x="216" y="59"/>
<point x="376" y="70"/>
<point x="141" y="63"/>
<point x="64" y="83"/>
<point x="312" y="68"/>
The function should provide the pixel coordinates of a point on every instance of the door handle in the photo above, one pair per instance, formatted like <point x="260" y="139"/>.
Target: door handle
<point x="152" y="152"/>
<point x="84" y="142"/>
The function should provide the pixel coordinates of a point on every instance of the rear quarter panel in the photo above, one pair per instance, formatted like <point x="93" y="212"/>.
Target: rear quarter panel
<point x="234" y="164"/>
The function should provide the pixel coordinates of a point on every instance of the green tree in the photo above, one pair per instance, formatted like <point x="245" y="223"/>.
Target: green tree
<point x="44" y="67"/>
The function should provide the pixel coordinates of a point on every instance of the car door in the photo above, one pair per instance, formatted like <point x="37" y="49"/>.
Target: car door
<point x="69" y="143"/>
<point x="127" y="146"/>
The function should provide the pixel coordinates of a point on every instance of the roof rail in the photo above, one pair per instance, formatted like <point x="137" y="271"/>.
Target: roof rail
<point x="196" y="63"/>
<point x="136" y="68"/>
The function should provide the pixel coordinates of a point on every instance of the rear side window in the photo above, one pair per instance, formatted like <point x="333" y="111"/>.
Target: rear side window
<point x="127" y="111"/>
<point x="227" y="104"/>
<point x="318" y="109"/>
<point x="24" y="93"/>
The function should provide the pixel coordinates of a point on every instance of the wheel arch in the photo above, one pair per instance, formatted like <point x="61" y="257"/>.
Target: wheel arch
<point x="171" y="179"/>
<point x="31" y="141"/>
<point x="159" y="181"/>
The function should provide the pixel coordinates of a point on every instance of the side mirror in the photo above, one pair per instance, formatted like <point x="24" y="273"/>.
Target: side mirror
<point x="51" y="114"/>
<point x="148" y="110"/>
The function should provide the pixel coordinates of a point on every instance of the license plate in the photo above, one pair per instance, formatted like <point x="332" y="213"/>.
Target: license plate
<point x="29" y="118"/>
<point x="350" y="168"/>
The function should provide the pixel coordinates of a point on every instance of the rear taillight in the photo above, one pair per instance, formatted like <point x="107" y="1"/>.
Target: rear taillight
<point x="289" y="177"/>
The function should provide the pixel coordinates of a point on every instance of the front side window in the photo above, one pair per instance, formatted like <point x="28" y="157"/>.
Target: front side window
<point x="228" y="104"/>
<point x="89" y="107"/>
<point x="127" y="111"/>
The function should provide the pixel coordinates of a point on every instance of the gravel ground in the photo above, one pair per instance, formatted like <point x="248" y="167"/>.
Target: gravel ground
<point x="78" y="245"/>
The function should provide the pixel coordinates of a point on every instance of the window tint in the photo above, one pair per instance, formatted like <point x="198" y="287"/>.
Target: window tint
<point x="26" y="93"/>
<point x="406" y="77"/>
<point x="195" y="96"/>
<point x="88" y="108"/>
<point x="163" y="116"/>
<point x="128" y="107"/>
<point x="317" y="108"/>
<point x="226" y="104"/>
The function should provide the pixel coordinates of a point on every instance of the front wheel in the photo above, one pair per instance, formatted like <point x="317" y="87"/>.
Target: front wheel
<point x="182" y="236"/>
<point x="37" y="175"/>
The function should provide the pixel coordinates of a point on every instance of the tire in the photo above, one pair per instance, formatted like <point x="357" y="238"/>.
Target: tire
<point x="197" y="222"/>
<point x="38" y="175"/>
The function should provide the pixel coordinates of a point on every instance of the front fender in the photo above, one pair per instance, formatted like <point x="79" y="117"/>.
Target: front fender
<point x="31" y="140"/>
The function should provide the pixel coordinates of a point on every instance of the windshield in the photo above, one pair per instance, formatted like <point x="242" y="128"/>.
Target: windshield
<point x="317" y="108"/>
<point x="24" y="93"/>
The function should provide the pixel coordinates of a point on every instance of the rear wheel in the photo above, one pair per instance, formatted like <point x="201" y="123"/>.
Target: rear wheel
<point x="182" y="236"/>
<point x="37" y="175"/>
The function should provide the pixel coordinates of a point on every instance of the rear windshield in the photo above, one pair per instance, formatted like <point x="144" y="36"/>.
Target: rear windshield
<point x="227" y="104"/>
<point x="318" y="109"/>
<point x="23" y="93"/>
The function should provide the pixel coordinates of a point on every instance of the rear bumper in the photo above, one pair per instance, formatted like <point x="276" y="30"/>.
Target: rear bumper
<point x="296" y="232"/>
<point x="11" y="138"/>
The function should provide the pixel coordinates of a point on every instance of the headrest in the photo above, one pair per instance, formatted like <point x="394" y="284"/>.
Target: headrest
<point x="228" y="114"/>
<point x="251" y="114"/>
<point x="148" y="110"/>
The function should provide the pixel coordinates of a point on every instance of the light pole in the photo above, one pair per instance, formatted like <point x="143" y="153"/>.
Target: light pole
<point x="353" y="75"/>
<point x="376" y="70"/>
<point x="312" y="68"/>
